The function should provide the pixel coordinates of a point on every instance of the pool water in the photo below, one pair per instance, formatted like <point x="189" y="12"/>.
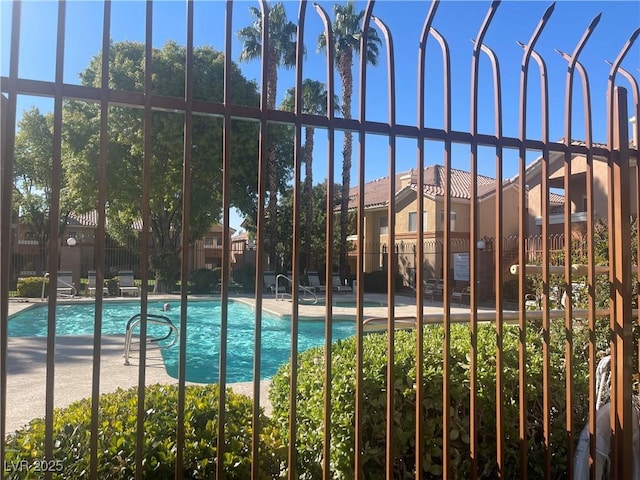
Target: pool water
<point x="203" y="334"/>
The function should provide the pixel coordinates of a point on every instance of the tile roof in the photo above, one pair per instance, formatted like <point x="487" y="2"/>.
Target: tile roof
<point x="89" y="219"/>
<point x="376" y="193"/>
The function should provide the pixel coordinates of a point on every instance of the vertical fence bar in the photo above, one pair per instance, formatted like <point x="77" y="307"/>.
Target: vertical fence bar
<point x="260" y="237"/>
<point x="8" y="132"/>
<point x="568" y="242"/>
<point x="447" y="469"/>
<point x="591" y="276"/>
<point x="54" y="236"/>
<point x="621" y="460"/>
<point x="295" y="280"/>
<point x="329" y="209"/>
<point x="146" y="225"/>
<point x="420" y="390"/>
<point x="546" y="321"/>
<point x="391" y="223"/>
<point x="500" y="448"/>
<point x="359" y="441"/>
<point x="623" y="337"/>
<point x="522" y="232"/>
<point x="636" y="109"/>
<point x="473" y="240"/>
<point x="101" y="236"/>
<point x="185" y="244"/>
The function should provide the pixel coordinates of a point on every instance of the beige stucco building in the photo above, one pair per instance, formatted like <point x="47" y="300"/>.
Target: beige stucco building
<point x="376" y="225"/>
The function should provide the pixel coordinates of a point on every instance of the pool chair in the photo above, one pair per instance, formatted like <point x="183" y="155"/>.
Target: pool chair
<point x="126" y="283"/>
<point x="91" y="285"/>
<point x="314" y="282"/>
<point x="337" y="284"/>
<point x="65" y="286"/>
<point x="269" y="280"/>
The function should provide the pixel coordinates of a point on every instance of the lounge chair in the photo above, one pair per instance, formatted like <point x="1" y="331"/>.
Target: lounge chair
<point x="126" y="283"/>
<point x="459" y="295"/>
<point x="91" y="285"/>
<point x="337" y="284"/>
<point x="314" y="282"/>
<point x="428" y="290"/>
<point x="531" y="302"/>
<point x="65" y="286"/>
<point x="269" y="280"/>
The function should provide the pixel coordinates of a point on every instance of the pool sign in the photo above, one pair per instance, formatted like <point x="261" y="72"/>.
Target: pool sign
<point x="461" y="266"/>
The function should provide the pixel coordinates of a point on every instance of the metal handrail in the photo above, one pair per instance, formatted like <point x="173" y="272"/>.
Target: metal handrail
<point x="74" y="291"/>
<point x="312" y="293"/>
<point x="135" y="320"/>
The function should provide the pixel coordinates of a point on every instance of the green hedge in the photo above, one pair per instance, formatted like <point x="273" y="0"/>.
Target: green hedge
<point x="31" y="287"/>
<point x="311" y="390"/>
<point x="204" y="280"/>
<point x="117" y="437"/>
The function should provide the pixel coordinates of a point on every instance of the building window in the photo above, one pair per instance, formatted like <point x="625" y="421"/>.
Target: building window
<point x="413" y="221"/>
<point x="453" y="220"/>
<point x="384" y="225"/>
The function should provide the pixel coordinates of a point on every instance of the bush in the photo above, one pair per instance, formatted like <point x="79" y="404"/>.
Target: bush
<point x="166" y="266"/>
<point x="31" y="287"/>
<point x="117" y="437"/>
<point x="311" y="390"/>
<point x="246" y="276"/>
<point x="204" y="280"/>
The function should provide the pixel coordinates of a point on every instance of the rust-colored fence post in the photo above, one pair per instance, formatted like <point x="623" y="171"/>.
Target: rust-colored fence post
<point x="621" y="292"/>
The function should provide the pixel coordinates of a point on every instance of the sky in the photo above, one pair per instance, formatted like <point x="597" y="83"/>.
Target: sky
<point x="457" y="21"/>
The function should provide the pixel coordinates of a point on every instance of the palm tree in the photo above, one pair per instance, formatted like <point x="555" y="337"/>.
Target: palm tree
<point x="282" y="52"/>
<point x="346" y="34"/>
<point x="314" y="101"/>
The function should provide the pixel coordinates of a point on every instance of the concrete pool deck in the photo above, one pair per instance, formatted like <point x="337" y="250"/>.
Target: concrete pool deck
<point x="26" y="358"/>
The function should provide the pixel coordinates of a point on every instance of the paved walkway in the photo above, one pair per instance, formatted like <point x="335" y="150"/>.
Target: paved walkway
<point x="26" y="360"/>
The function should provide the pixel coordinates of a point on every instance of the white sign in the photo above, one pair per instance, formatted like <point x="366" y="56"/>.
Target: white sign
<point x="461" y="266"/>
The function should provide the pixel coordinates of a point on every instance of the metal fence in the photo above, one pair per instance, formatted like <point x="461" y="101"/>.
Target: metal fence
<point x="617" y="153"/>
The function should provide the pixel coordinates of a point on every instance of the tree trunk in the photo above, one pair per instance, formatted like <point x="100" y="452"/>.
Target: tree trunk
<point x="344" y="69"/>
<point x="272" y="206"/>
<point x="308" y="192"/>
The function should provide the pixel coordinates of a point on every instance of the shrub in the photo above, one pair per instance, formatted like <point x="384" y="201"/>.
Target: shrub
<point x="31" y="287"/>
<point x="117" y="437"/>
<point x="246" y="276"/>
<point x="204" y="280"/>
<point x="166" y="265"/>
<point x="311" y="390"/>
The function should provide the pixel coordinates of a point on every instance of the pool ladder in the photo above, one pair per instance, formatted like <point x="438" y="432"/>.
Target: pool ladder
<point x="134" y="322"/>
<point x="306" y="291"/>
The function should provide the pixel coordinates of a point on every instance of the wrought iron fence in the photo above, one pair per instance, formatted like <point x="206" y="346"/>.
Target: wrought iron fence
<point x="617" y="153"/>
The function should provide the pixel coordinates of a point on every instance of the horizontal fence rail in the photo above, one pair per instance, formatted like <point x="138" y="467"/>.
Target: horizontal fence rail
<point x="504" y="285"/>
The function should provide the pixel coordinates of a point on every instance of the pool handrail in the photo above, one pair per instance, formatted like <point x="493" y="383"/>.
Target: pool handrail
<point x="74" y="291"/>
<point x="303" y="288"/>
<point x="135" y="320"/>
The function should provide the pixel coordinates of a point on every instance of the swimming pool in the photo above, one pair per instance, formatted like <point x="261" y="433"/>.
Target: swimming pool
<point x="203" y="334"/>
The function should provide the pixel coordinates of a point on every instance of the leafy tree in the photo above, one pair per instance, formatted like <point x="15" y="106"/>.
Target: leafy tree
<point x="317" y="219"/>
<point x="346" y="34"/>
<point x="314" y="101"/>
<point x="125" y="152"/>
<point x="282" y="49"/>
<point x="32" y="177"/>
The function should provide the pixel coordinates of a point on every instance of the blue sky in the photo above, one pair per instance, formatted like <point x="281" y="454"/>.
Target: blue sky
<point x="457" y="21"/>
